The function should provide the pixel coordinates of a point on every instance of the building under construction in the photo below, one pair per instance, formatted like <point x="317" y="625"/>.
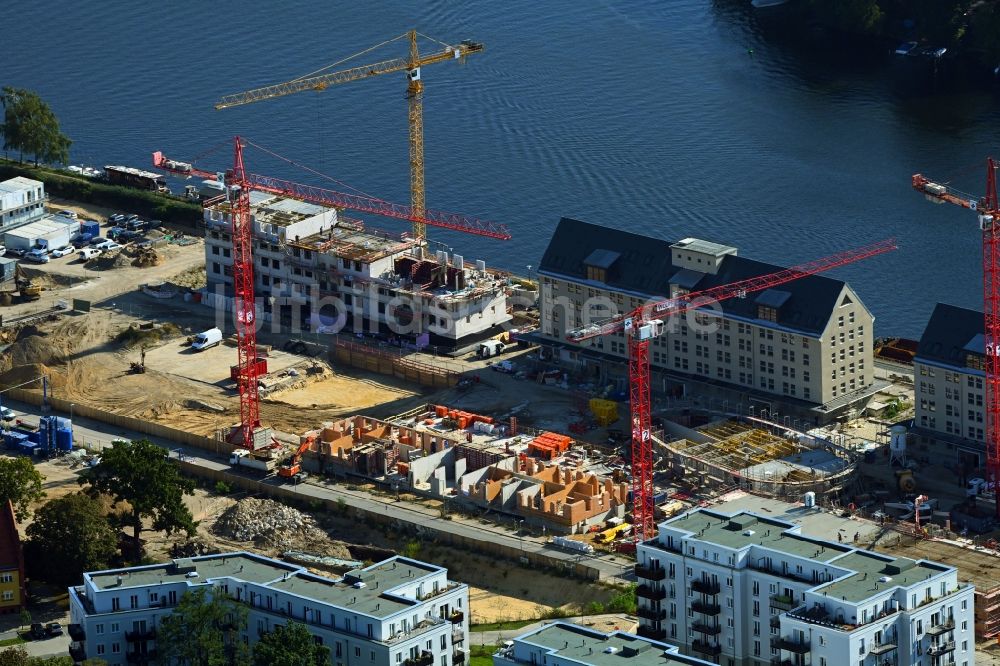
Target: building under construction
<point x="316" y="269"/>
<point x="471" y="459"/>
<point x="754" y="457"/>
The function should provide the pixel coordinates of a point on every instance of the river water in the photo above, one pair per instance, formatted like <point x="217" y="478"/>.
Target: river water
<point x="673" y="118"/>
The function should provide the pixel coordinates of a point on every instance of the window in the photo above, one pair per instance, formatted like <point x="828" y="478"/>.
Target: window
<point x="100" y="649"/>
<point x="116" y="648"/>
<point x="98" y="629"/>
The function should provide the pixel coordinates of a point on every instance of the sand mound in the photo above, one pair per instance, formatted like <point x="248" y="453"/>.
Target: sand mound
<point x="22" y="374"/>
<point x="32" y="349"/>
<point x="270" y="524"/>
<point x="109" y="261"/>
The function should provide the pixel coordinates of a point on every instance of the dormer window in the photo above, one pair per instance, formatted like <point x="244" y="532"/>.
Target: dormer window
<point x="597" y="274"/>
<point x="767" y="313"/>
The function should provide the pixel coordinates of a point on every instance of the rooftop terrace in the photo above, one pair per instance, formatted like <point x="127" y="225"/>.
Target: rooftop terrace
<point x="573" y="643"/>
<point x="361" y="590"/>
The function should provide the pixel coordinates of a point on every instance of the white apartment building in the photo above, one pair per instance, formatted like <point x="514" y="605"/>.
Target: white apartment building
<point x="398" y="612"/>
<point x="803" y="349"/>
<point x="567" y="644"/>
<point x="748" y="590"/>
<point x="22" y="200"/>
<point x="314" y="268"/>
<point x="948" y="374"/>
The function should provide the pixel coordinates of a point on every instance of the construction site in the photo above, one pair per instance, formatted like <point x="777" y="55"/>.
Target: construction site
<point x="302" y="346"/>
<point x="760" y="457"/>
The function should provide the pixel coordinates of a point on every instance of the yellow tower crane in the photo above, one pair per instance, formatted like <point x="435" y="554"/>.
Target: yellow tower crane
<point x="414" y="92"/>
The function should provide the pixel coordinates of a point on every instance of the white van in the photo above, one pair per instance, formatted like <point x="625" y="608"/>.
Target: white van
<point x="206" y="339"/>
<point x="88" y="253"/>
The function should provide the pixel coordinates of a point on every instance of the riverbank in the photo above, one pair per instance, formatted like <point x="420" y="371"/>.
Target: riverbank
<point x="58" y="183"/>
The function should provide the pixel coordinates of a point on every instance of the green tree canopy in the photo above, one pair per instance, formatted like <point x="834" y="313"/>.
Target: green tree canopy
<point x="141" y="474"/>
<point x="203" y="630"/>
<point x="18" y="656"/>
<point x="30" y="126"/>
<point x="290" y="645"/>
<point x="20" y="483"/>
<point x="69" y="536"/>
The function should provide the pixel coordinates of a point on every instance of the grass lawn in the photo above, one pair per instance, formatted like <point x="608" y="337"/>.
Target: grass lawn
<point x="482" y="655"/>
<point x="502" y="626"/>
<point x="17" y="640"/>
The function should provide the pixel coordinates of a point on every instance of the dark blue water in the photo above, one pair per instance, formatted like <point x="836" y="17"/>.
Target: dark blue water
<point x="647" y="116"/>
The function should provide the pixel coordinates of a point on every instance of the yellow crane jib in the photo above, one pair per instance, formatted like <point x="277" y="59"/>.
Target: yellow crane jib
<point x="410" y="65"/>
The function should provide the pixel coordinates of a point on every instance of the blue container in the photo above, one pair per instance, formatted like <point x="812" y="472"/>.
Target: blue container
<point x="64" y="439"/>
<point x="12" y="439"/>
<point x="27" y="448"/>
<point x="91" y="227"/>
<point x="63" y="422"/>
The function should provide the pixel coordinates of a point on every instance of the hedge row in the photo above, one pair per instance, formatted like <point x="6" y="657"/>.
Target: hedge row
<point x="77" y="188"/>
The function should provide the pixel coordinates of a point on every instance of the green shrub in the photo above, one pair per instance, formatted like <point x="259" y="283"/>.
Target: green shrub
<point x="222" y="488"/>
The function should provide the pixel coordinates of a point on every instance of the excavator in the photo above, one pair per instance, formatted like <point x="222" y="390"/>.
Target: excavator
<point x="22" y="289"/>
<point x="292" y="468"/>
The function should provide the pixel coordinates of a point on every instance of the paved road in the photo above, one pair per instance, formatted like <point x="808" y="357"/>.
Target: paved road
<point x="95" y="434"/>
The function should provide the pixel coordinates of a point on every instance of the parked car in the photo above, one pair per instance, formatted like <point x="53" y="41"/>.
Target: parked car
<point x="97" y="240"/>
<point x="116" y="218"/>
<point x="88" y="253"/>
<point x="136" y="225"/>
<point x="7" y="414"/>
<point x="37" y="631"/>
<point x="62" y="251"/>
<point x="53" y="629"/>
<point x="16" y="252"/>
<point x="107" y="246"/>
<point x="38" y="256"/>
<point x="3" y="250"/>
<point x="67" y="213"/>
<point x="115" y="232"/>
<point x="127" y="236"/>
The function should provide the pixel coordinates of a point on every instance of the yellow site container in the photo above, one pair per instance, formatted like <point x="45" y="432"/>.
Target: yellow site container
<point x="605" y="411"/>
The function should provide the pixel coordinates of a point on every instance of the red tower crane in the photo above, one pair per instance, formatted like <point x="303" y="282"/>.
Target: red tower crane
<point x="648" y="321"/>
<point x="237" y="192"/>
<point x="357" y="202"/>
<point x="244" y="305"/>
<point x="989" y="224"/>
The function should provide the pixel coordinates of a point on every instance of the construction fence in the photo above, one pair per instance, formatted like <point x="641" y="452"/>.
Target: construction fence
<point x="123" y="421"/>
<point x="383" y="362"/>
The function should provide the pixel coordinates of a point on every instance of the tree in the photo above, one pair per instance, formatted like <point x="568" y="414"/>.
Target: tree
<point x="29" y="126"/>
<point x="290" y="645"/>
<point x="141" y="474"/>
<point x="20" y="483"/>
<point x="203" y="630"/>
<point x="69" y="536"/>
<point x="855" y="17"/>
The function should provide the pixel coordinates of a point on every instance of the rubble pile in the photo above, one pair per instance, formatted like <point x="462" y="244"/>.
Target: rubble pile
<point x="269" y="524"/>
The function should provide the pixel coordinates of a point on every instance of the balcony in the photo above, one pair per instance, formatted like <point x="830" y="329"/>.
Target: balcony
<point x="941" y="648"/>
<point x="791" y="645"/>
<point x="650" y="592"/>
<point x="782" y="602"/>
<point x="457" y="617"/>
<point x="882" y="648"/>
<point x="457" y="636"/>
<point x="425" y="659"/>
<point x="141" y="634"/>
<point x="941" y="627"/>
<point x="651" y="614"/>
<point x="649" y="573"/>
<point x="653" y="634"/>
<point x="76" y="632"/>
<point x="457" y="658"/>
<point x="775" y="622"/>
<point x="705" y="586"/>
<point x="703" y="647"/>
<point x="707" y="629"/>
<point x="705" y="608"/>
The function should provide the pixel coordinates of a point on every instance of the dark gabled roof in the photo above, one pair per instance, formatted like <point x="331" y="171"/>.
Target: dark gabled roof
<point x="645" y="266"/>
<point x="951" y="334"/>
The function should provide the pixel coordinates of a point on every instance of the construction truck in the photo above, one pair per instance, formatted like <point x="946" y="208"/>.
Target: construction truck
<point x="18" y="289"/>
<point x="244" y="459"/>
<point x="292" y="468"/>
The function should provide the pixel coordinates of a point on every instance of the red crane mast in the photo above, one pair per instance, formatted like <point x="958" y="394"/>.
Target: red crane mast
<point x="244" y="305"/>
<point x="989" y="224"/>
<point x="647" y="322"/>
